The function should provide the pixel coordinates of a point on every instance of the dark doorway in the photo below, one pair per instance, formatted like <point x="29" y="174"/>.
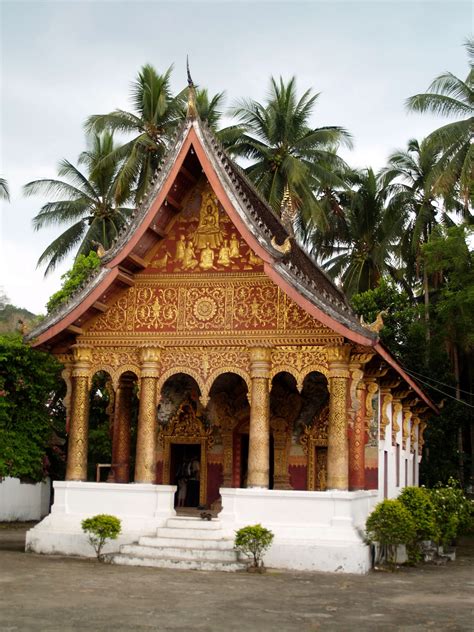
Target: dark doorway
<point x="244" y="460"/>
<point x="185" y="474"/>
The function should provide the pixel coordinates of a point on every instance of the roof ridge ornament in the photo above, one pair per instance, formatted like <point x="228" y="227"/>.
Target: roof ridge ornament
<point x="192" y="108"/>
<point x="288" y="212"/>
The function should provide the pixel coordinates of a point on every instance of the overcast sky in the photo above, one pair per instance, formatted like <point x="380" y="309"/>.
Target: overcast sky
<point x="64" y="60"/>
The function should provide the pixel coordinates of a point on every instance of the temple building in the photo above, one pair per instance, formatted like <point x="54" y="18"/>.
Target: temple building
<point x="237" y="372"/>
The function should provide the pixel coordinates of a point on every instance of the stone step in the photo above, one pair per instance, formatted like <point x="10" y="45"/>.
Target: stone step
<point x="165" y="552"/>
<point x="185" y="533"/>
<point x="192" y="522"/>
<point x="198" y="565"/>
<point x="187" y="543"/>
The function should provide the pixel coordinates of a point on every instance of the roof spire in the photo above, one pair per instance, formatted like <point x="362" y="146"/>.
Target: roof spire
<point x="288" y="211"/>
<point x="192" y="109"/>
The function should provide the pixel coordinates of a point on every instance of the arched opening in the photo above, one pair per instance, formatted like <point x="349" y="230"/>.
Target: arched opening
<point x="285" y="406"/>
<point x="312" y="429"/>
<point x="101" y="406"/>
<point x="228" y="412"/>
<point x="184" y="435"/>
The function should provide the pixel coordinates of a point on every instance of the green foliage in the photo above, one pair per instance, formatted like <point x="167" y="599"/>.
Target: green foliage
<point x="420" y="505"/>
<point x="30" y="410"/>
<point x="400" y="329"/>
<point x="11" y="317"/>
<point x="253" y="541"/>
<point x="101" y="528"/>
<point x="83" y="267"/>
<point x="389" y="525"/>
<point x="453" y="512"/>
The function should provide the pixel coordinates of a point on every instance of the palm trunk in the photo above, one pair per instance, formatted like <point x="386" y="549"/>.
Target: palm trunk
<point x="426" y="291"/>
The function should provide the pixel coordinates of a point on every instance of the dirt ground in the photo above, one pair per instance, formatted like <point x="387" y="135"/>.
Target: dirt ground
<point x="49" y="594"/>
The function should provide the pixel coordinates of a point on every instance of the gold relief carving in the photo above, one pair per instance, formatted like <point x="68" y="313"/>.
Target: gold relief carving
<point x="281" y="444"/>
<point x="150" y="362"/>
<point x="338" y="355"/>
<point x="295" y="317"/>
<point x="156" y="308"/>
<point x="205" y="308"/>
<point x="115" y="361"/>
<point x="313" y="439"/>
<point x="115" y="318"/>
<point x="299" y="361"/>
<point x="76" y="469"/>
<point x="259" y="429"/>
<point x="146" y="435"/>
<point x="385" y="420"/>
<point x="413" y="433"/>
<point x="338" y="448"/>
<point x="406" y="425"/>
<point x="356" y="379"/>
<point x="421" y="441"/>
<point x="256" y="306"/>
<point x="396" y="410"/>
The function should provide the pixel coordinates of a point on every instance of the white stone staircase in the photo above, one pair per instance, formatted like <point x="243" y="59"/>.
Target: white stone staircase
<point x="185" y="542"/>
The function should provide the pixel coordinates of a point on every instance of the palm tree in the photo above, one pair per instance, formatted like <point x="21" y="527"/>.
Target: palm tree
<point x="86" y="200"/>
<point x="450" y="96"/>
<point x="361" y="248"/>
<point x="286" y="151"/>
<point x="152" y="125"/>
<point x="4" y="192"/>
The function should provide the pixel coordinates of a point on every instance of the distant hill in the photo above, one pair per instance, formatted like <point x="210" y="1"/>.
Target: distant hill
<point x="10" y="315"/>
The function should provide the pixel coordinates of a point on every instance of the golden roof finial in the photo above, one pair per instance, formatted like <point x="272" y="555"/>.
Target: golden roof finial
<point x="192" y="109"/>
<point x="287" y="210"/>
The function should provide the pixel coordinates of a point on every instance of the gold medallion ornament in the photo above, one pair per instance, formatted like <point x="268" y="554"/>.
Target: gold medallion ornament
<point x="205" y="308"/>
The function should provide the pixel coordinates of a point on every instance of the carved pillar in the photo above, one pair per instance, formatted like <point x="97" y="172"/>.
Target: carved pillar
<point x="338" y="445"/>
<point x="146" y="435"/>
<point x="406" y="425"/>
<point x="357" y="436"/>
<point x="122" y="428"/>
<point x="76" y="469"/>
<point x="259" y="431"/>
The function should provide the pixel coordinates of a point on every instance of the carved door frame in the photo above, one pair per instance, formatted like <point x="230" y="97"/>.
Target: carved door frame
<point x="183" y="440"/>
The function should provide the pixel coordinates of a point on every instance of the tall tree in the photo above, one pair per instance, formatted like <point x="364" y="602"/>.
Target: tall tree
<point x="286" y="151"/>
<point x="156" y="116"/>
<point x="86" y="200"/>
<point x="4" y="192"/>
<point x="152" y="124"/>
<point x="360" y="250"/>
<point x="450" y="96"/>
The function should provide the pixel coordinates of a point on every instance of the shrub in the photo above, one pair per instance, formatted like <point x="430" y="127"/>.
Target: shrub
<point x="83" y="267"/>
<point x="101" y="528"/>
<point x="253" y="541"/>
<point x="389" y="525"/>
<point x="420" y="505"/>
<point x="452" y="511"/>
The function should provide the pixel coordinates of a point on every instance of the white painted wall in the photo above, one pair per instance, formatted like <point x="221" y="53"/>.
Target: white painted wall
<point x="141" y="509"/>
<point x="23" y="501"/>
<point x="410" y="453"/>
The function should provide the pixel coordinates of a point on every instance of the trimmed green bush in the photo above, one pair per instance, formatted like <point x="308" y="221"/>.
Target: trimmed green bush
<point x="419" y="503"/>
<point x="453" y="512"/>
<point x="253" y="541"/>
<point x="101" y="528"/>
<point x="390" y="525"/>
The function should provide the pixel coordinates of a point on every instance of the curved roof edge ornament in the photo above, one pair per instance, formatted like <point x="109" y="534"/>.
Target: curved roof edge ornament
<point x="288" y="212"/>
<point x="283" y="248"/>
<point x="192" y="109"/>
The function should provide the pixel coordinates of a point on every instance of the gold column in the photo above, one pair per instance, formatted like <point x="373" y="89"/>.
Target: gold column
<point x="122" y="427"/>
<point x="146" y="436"/>
<point x="76" y="469"/>
<point x="338" y="444"/>
<point x="259" y="432"/>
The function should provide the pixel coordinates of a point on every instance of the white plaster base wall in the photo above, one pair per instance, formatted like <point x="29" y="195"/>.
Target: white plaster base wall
<point x="313" y="530"/>
<point x="141" y="508"/>
<point x="23" y="501"/>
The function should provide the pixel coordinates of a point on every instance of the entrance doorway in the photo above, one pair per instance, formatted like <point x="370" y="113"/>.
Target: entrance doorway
<point x="185" y="473"/>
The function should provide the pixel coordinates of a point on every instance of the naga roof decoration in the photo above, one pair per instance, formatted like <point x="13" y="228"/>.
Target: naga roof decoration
<point x="284" y="261"/>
